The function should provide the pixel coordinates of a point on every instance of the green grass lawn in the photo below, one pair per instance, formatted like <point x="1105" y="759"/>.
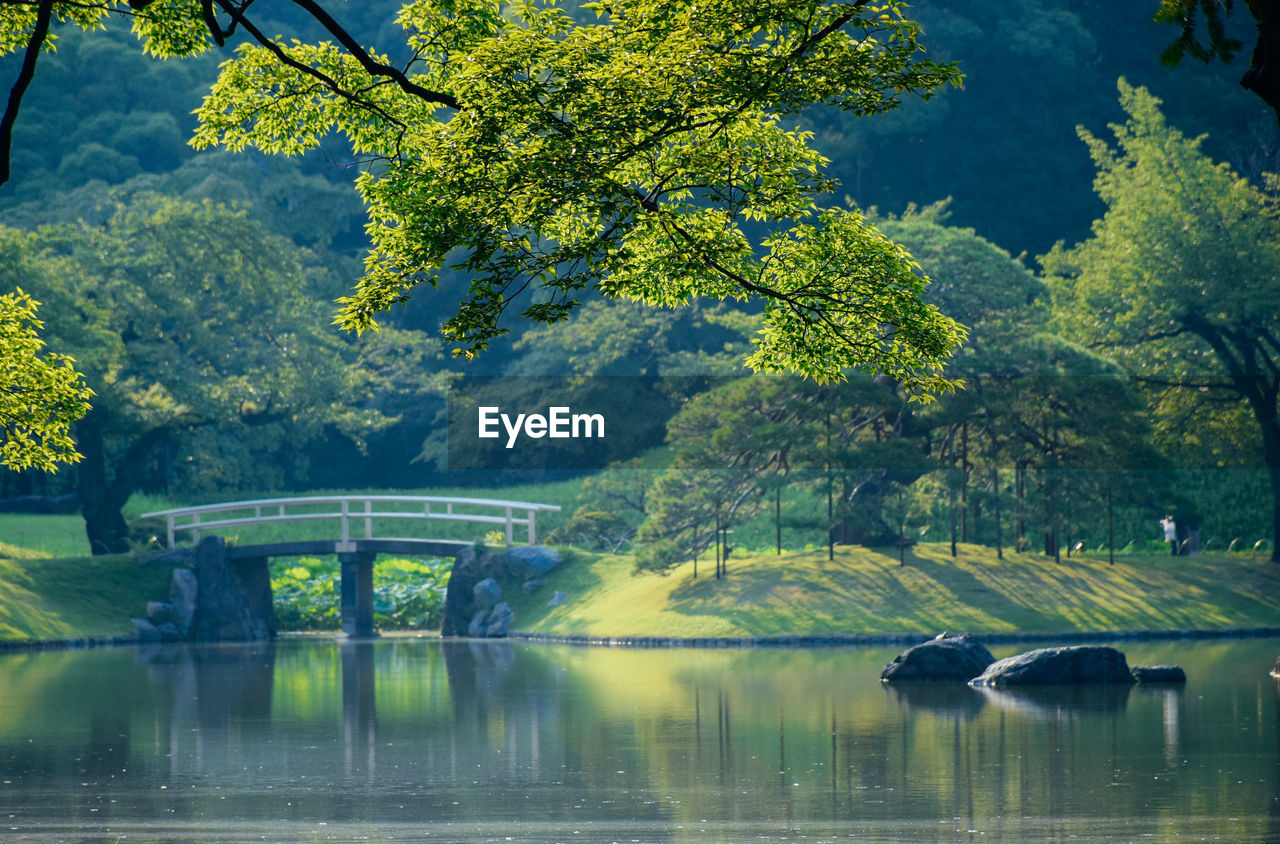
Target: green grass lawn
<point x="65" y="598"/>
<point x="866" y="591"/>
<point x="52" y="536"/>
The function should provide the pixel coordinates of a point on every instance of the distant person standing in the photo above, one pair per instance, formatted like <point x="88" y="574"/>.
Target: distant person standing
<point x="1170" y="534"/>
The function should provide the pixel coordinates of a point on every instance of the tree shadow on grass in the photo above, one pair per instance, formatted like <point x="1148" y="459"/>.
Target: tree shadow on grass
<point x="971" y="591"/>
<point x="854" y="594"/>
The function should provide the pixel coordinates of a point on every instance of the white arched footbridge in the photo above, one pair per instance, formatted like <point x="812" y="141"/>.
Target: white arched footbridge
<point x="357" y="543"/>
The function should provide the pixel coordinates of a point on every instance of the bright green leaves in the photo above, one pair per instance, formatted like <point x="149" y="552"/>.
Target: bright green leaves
<point x="641" y="155"/>
<point x="172" y="28"/>
<point x="18" y="22"/>
<point x="845" y="296"/>
<point x="41" y="394"/>
<point x="264" y="99"/>
<point x="1002" y="303"/>
<point x="168" y="28"/>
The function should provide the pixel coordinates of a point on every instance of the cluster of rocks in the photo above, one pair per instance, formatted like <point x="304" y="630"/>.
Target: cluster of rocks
<point x="964" y="659"/>
<point x="473" y="603"/>
<point x="211" y="598"/>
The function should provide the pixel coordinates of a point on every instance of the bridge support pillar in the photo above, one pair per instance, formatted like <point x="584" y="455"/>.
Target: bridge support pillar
<point x="357" y="594"/>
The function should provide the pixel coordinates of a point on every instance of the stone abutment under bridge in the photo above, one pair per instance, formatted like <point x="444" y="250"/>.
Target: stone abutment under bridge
<point x="222" y="592"/>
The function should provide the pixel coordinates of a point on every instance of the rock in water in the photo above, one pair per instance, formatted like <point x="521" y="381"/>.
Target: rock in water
<point x="500" y="621"/>
<point x="1159" y="674"/>
<point x="158" y="612"/>
<point x="1058" y="666"/>
<point x="146" y="631"/>
<point x="947" y="658"/>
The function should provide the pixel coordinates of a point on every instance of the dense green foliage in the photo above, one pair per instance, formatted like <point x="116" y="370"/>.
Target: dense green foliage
<point x="407" y="594"/>
<point x="106" y="126"/>
<point x="204" y="339"/>
<point x="625" y="156"/>
<point x="41" y="394"/>
<point x="1179" y="282"/>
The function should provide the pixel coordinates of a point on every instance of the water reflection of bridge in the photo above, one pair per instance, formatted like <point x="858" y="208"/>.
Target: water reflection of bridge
<point x="356" y="546"/>
<point x="226" y="706"/>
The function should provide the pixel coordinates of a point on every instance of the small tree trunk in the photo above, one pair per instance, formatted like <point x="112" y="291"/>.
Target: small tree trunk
<point x="951" y="495"/>
<point x="717" y="547"/>
<point x="777" y="515"/>
<point x="1050" y="518"/>
<point x="1111" y="532"/>
<point x="1019" y="492"/>
<point x="1275" y="515"/>
<point x="995" y="486"/>
<point x="964" y="482"/>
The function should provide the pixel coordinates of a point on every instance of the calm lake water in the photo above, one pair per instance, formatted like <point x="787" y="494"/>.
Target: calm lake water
<point x="415" y="739"/>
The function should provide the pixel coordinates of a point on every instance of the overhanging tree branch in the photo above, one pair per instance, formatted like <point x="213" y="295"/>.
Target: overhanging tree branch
<point x="39" y="33"/>
<point x="374" y="68"/>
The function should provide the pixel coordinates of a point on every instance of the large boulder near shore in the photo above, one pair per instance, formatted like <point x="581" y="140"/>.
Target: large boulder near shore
<point x="526" y="562"/>
<point x="946" y="658"/>
<point x="223" y="612"/>
<point x="184" y="590"/>
<point x="487" y="593"/>
<point x="459" y="598"/>
<point x="1059" y="666"/>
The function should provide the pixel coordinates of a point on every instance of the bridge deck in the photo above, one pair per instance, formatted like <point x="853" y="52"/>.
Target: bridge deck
<point x="318" y="547"/>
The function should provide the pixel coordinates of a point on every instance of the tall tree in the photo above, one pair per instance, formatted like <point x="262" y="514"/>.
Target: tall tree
<point x="1179" y="282"/>
<point x="202" y="336"/>
<point x="629" y="155"/>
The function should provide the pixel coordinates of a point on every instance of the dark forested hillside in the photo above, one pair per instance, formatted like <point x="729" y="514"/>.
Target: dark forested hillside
<point x="1004" y="147"/>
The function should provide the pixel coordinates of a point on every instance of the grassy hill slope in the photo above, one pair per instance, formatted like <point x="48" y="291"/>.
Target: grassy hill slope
<point x="866" y="591"/>
<point x="862" y="591"/>
<point x="45" y="598"/>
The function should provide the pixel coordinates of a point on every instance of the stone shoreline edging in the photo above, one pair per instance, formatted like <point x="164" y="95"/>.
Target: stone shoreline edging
<point x="878" y="639"/>
<point x="835" y="640"/>
<point x="76" y="643"/>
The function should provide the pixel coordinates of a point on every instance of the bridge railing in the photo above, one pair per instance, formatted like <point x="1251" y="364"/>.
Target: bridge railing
<point x="362" y="510"/>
